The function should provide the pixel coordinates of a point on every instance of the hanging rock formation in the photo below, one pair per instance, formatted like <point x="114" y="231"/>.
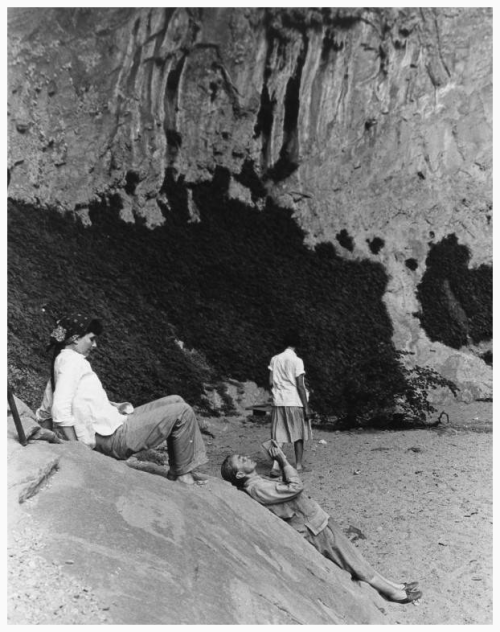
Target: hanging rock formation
<point x="374" y="126"/>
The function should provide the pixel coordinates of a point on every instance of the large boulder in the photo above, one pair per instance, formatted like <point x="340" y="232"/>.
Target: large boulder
<point x="157" y="552"/>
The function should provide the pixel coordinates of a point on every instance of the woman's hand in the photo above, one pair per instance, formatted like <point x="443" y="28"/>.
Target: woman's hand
<point x="278" y="454"/>
<point x="69" y="433"/>
<point x="206" y="427"/>
<point x="125" y="408"/>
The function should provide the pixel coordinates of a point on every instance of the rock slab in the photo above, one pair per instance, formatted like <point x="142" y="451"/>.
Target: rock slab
<point x="157" y="552"/>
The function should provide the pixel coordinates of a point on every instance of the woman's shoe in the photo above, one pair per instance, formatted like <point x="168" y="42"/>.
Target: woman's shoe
<point x="410" y="586"/>
<point x="411" y="595"/>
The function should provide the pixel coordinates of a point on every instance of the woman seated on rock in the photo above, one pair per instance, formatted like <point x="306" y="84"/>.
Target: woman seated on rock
<point x="77" y="403"/>
<point x="287" y="500"/>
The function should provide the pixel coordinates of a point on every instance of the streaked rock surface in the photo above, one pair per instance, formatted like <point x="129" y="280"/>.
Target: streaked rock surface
<point x="370" y="124"/>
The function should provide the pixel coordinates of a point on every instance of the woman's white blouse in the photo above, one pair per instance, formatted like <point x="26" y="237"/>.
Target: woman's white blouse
<point x="79" y="399"/>
<point x="286" y="368"/>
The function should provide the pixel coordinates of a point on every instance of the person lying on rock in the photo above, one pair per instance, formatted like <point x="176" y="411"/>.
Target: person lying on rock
<point x="77" y="403"/>
<point x="287" y="501"/>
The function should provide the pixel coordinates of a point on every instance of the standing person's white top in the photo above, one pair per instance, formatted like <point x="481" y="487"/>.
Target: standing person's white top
<point x="286" y="368"/>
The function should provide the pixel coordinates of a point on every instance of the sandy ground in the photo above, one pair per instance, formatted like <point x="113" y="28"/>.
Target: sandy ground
<point x="417" y="503"/>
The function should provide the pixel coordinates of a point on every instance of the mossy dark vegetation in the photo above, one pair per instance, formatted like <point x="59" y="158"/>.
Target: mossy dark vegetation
<point x="376" y="244"/>
<point x="398" y="399"/>
<point x="488" y="358"/>
<point x="411" y="264"/>
<point x="228" y="286"/>
<point x="345" y="240"/>
<point x="456" y="301"/>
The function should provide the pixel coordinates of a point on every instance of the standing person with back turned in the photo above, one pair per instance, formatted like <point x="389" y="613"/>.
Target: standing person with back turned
<point x="77" y="403"/>
<point x="290" y="412"/>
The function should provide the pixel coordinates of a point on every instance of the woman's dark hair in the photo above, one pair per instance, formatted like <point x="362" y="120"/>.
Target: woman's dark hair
<point x="228" y="472"/>
<point x="291" y="338"/>
<point x="93" y="327"/>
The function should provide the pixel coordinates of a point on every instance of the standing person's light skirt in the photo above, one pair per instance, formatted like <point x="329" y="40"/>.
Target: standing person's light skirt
<point x="288" y="425"/>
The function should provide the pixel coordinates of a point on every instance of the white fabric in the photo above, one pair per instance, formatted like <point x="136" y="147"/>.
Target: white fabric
<point x="286" y="368"/>
<point x="79" y="399"/>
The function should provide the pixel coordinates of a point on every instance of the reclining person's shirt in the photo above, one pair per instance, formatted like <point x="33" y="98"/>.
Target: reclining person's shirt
<point x="287" y="501"/>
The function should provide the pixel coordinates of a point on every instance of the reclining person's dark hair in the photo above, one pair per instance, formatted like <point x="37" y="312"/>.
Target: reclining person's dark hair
<point x="228" y="472"/>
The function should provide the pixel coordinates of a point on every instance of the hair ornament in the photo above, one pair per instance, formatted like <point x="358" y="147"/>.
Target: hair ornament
<point x="59" y="334"/>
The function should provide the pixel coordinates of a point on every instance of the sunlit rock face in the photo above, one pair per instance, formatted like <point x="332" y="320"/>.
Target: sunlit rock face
<point x="373" y="125"/>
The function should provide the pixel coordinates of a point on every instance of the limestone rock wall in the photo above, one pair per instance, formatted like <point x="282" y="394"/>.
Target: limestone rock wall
<point x="373" y="125"/>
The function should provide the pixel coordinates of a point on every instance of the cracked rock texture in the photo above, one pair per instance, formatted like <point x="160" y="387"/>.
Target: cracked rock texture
<point x="373" y="125"/>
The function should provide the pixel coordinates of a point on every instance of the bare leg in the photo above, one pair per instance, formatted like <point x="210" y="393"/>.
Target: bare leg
<point x="394" y="591"/>
<point x="396" y="585"/>
<point x="400" y="585"/>
<point x="335" y="546"/>
<point x="299" y="451"/>
<point x="387" y="588"/>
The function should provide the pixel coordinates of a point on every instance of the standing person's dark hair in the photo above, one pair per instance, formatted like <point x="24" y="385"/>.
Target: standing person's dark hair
<point x="292" y="338"/>
<point x="67" y="330"/>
